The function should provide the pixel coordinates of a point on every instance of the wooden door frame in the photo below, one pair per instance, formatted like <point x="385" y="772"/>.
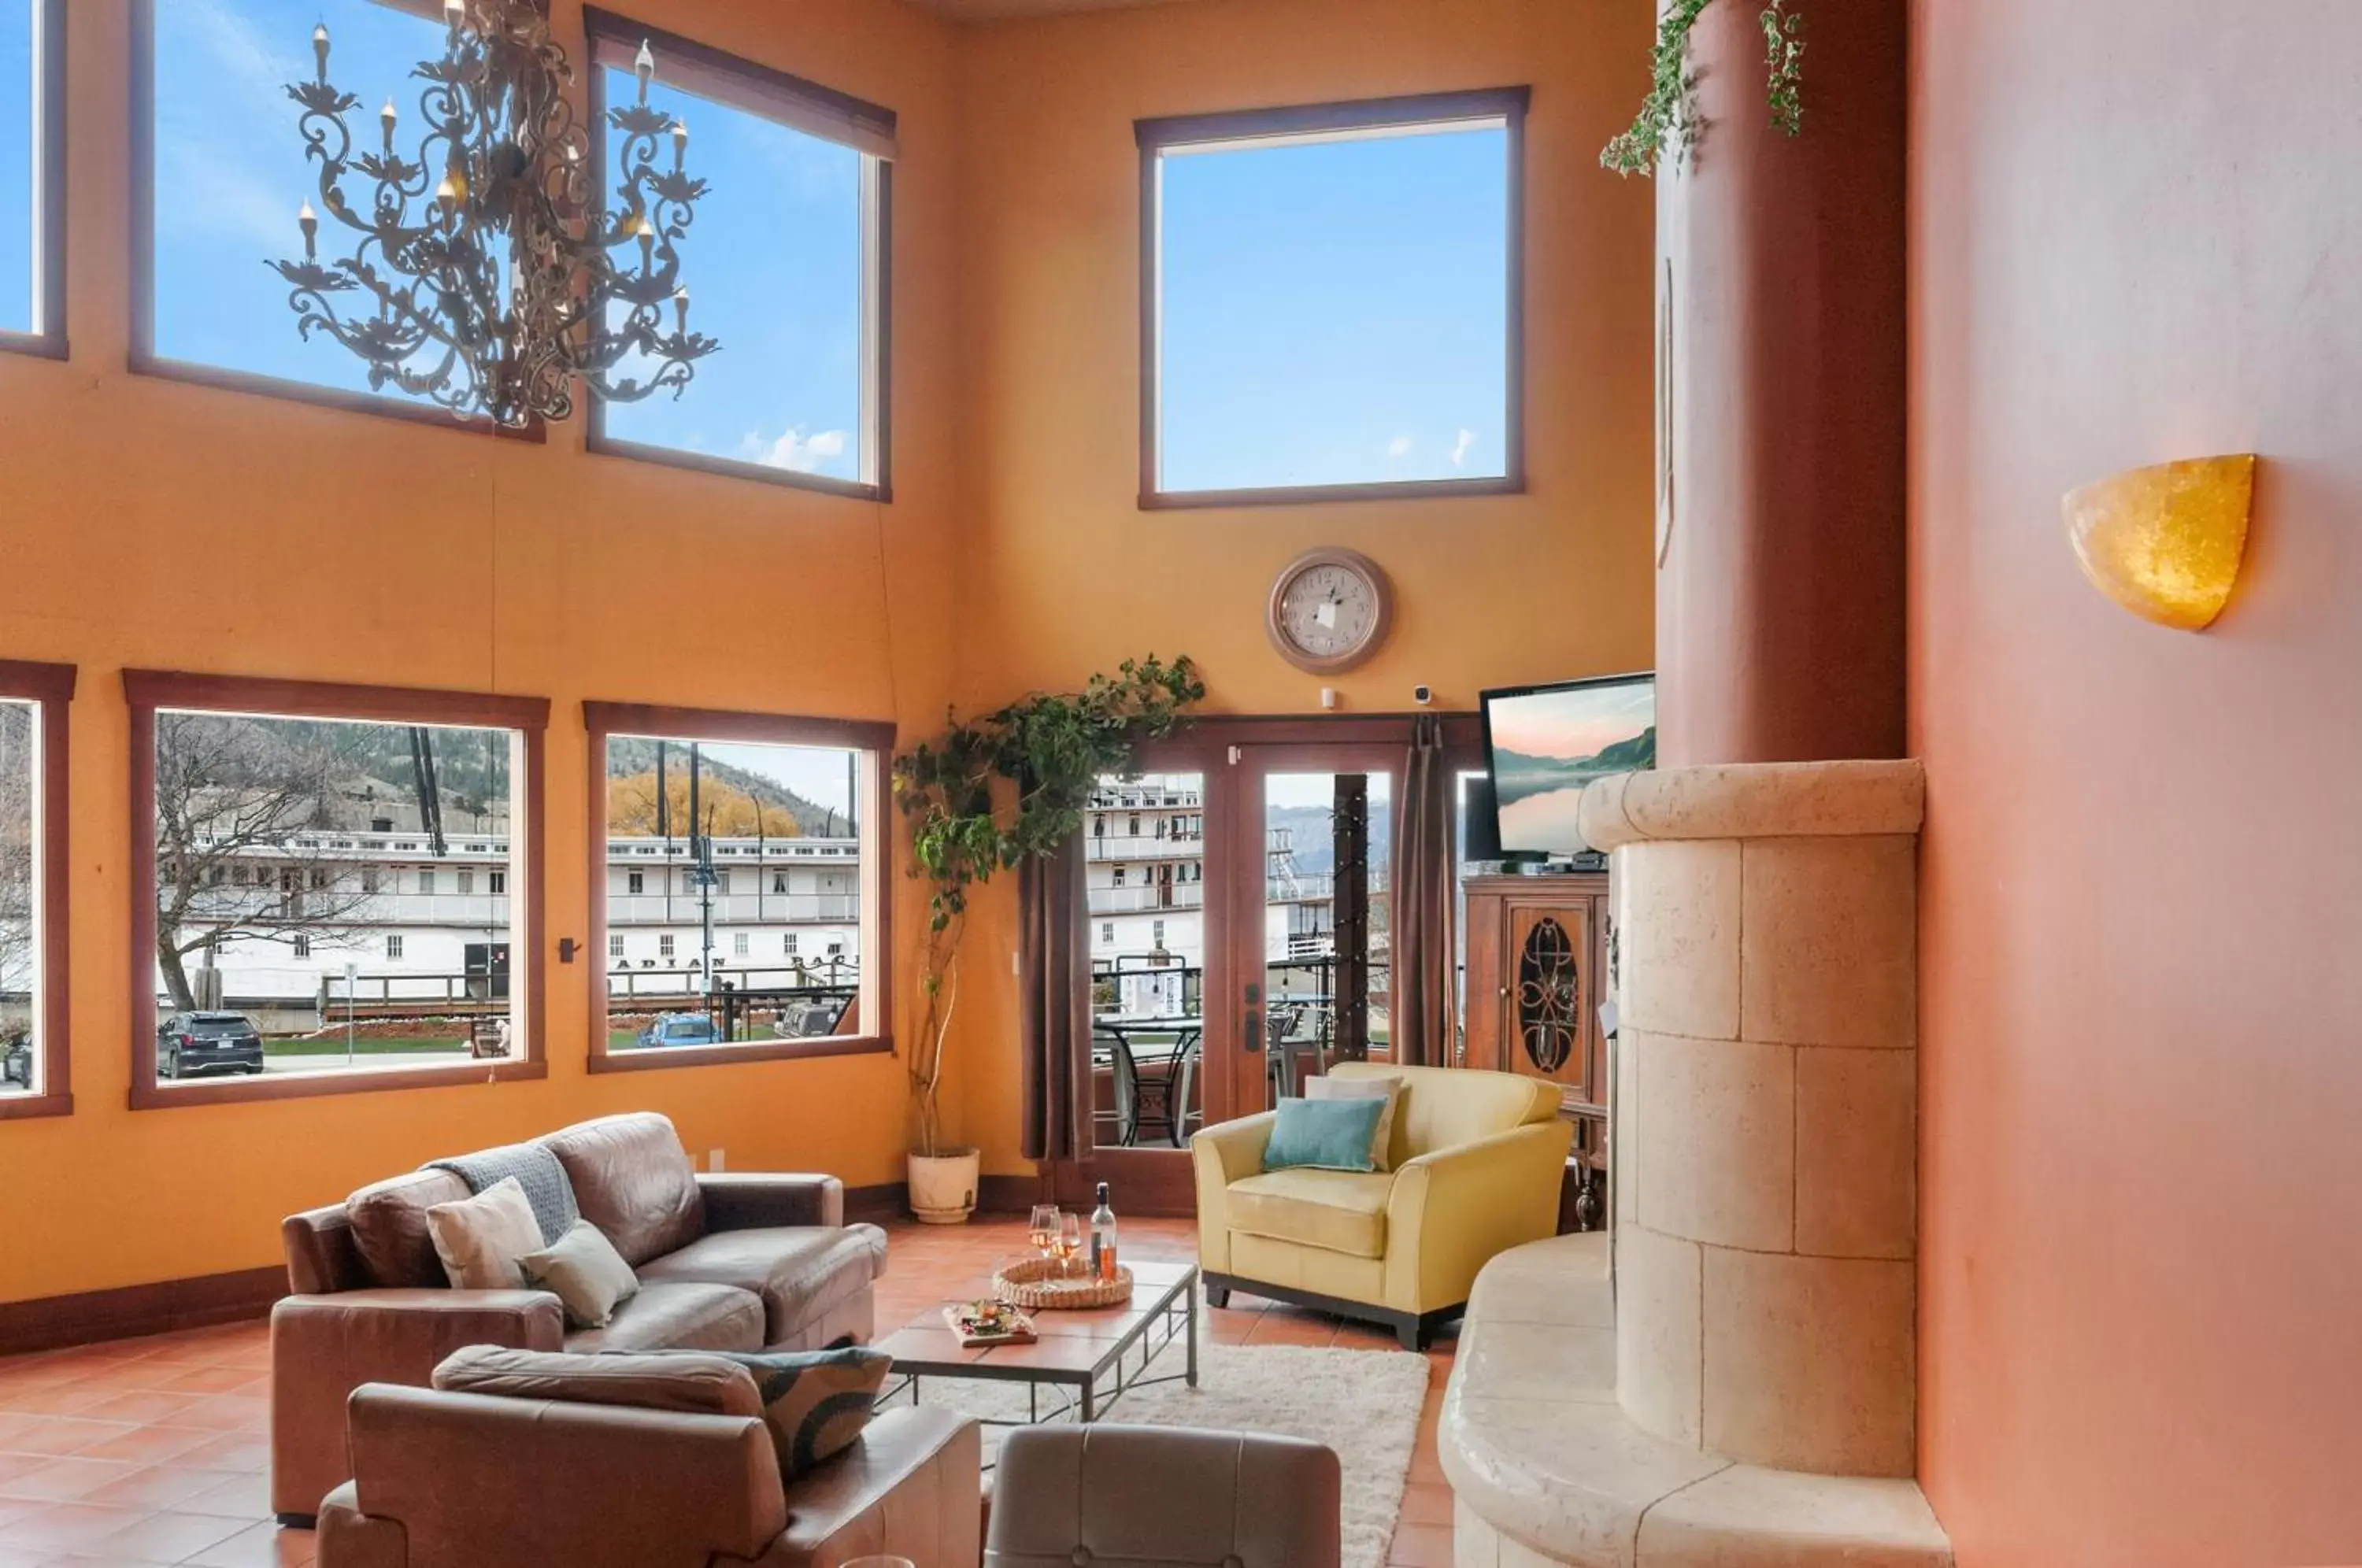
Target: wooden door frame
<point x="1156" y="1181"/>
<point x="1160" y="1182"/>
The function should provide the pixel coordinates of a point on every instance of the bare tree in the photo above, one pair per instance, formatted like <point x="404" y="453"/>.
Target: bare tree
<point x="16" y="866"/>
<point x="242" y="807"/>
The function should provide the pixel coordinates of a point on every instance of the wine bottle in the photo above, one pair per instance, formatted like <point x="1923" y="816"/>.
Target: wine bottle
<point x="1103" y="1238"/>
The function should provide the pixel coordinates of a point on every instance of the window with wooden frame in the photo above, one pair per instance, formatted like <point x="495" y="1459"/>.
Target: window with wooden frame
<point x="218" y="173"/>
<point x="33" y="176"/>
<point x="788" y="265"/>
<point x="265" y="811"/>
<point x="1332" y="301"/>
<point x="743" y="971"/>
<point x="36" y="1061"/>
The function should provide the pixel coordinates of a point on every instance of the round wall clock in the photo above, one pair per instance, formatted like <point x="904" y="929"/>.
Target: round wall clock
<point x="1329" y="610"/>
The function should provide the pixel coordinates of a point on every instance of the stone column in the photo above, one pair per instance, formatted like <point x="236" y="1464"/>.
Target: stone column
<point x="1765" y="1104"/>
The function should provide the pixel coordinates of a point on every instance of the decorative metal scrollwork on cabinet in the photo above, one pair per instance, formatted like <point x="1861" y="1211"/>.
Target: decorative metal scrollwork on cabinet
<point x="1549" y="996"/>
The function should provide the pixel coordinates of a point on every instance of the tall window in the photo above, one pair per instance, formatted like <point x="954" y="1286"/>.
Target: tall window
<point x="320" y="968"/>
<point x="1331" y="301"/>
<point x="33" y="1061"/>
<point x="693" y="790"/>
<point x="32" y="175"/>
<point x="228" y="172"/>
<point x="787" y="267"/>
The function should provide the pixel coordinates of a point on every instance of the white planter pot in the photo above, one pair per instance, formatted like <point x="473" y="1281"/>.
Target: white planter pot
<point x="943" y="1187"/>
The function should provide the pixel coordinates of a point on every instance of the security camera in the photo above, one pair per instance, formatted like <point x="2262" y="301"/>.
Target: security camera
<point x="1422" y="695"/>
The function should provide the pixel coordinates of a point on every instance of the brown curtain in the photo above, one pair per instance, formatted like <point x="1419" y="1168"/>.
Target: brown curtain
<point x="1053" y="1005"/>
<point x="1426" y="1021"/>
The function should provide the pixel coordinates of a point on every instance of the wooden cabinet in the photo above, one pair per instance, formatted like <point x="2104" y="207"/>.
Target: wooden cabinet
<point x="1537" y="971"/>
<point x="1537" y="974"/>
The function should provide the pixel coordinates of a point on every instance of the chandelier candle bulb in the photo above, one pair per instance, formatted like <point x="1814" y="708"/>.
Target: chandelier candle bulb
<point x="644" y="65"/>
<point x="309" y="222"/>
<point x="320" y="50"/>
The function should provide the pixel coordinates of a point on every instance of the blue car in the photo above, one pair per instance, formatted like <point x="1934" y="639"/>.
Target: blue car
<point x="681" y="1029"/>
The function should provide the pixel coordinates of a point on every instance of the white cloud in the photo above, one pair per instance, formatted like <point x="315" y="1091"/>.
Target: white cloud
<point x="1398" y="448"/>
<point x="797" y="452"/>
<point x="259" y="66"/>
<point x="1461" y="447"/>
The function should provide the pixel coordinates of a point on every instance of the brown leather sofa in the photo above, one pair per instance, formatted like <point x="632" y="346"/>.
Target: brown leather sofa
<point x="466" y="1481"/>
<point x="735" y="1262"/>
<point x="1161" y="1498"/>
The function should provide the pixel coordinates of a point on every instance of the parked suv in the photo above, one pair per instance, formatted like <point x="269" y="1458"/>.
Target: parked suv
<point x="192" y="1043"/>
<point x="681" y="1029"/>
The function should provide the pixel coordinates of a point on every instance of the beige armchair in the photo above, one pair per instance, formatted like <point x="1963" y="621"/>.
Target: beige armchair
<point x="1162" y="1497"/>
<point x="1478" y="1160"/>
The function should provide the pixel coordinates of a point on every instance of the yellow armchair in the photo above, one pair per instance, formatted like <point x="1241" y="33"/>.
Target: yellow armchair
<point x="1478" y="1159"/>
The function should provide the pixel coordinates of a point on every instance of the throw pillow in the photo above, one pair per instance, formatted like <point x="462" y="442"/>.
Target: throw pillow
<point x="815" y="1402"/>
<point x="482" y="1239"/>
<point x="1323" y="1134"/>
<point x="585" y="1274"/>
<point x="686" y="1383"/>
<point x="1382" y="1141"/>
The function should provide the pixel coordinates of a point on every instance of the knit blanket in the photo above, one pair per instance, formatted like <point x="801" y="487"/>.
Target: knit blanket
<point x="535" y="1170"/>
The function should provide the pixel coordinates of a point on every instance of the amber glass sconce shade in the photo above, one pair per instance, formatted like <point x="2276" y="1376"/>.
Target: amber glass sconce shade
<point x="2166" y="542"/>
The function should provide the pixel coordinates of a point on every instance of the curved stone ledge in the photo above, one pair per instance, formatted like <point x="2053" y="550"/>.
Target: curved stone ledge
<point x="1547" y="1472"/>
<point x="1771" y="800"/>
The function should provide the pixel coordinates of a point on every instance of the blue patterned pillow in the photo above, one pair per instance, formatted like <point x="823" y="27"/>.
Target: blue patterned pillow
<point x="815" y="1402"/>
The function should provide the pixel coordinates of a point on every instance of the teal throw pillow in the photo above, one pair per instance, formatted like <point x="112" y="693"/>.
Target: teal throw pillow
<point x="815" y="1402"/>
<point x="1323" y="1134"/>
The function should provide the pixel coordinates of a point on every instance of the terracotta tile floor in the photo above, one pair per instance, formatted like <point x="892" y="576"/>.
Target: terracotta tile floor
<point x="152" y="1451"/>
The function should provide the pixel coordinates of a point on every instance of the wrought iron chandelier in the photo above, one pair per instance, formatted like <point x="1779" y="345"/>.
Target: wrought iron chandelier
<point x="486" y="274"/>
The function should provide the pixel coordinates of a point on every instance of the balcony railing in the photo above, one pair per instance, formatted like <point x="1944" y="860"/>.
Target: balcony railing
<point x="1147" y="900"/>
<point x="1143" y="846"/>
<point x="735" y="909"/>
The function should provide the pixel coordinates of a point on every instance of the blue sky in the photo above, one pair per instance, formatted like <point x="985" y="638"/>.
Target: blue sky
<point x="1336" y="312"/>
<point x="773" y="263"/>
<point x="1333" y="312"/>
<point x="17" y="165"/>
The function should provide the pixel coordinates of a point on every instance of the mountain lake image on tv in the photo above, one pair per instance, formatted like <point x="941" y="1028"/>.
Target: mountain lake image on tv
<point x="1546" y="743"/>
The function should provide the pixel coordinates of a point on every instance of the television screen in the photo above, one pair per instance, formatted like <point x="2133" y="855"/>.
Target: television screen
<point x="1545" y="743"/>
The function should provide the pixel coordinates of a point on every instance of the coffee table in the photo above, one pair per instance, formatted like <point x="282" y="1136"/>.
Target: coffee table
<point x="1076" y="1353"/>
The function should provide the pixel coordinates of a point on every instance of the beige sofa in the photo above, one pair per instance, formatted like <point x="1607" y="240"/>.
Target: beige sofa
<point x="737" y="1262"/>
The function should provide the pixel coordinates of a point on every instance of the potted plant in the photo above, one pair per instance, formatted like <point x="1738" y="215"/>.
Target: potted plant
<point x="989" y="794"/>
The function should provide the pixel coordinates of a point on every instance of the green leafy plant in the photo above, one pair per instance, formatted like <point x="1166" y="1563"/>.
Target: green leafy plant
<point x="1669" y="122"/>
<point x="994" y="792"/>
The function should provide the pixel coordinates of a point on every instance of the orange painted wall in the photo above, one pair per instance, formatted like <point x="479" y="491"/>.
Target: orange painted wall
<point x="2133" y="238"/>
<point x="1071" y="576"/>
<point x="152" y="524"/>
<point x="144" y="522"/>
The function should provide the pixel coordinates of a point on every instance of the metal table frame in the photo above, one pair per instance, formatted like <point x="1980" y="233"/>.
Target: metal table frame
<point x="1173" y="1315"/>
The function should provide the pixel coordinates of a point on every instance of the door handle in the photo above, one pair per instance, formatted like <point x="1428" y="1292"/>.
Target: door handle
<point x="1251" y="1031"/>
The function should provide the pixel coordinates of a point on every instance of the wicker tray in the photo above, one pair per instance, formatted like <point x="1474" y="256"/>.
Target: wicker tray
<point x="1034" y="1284"/>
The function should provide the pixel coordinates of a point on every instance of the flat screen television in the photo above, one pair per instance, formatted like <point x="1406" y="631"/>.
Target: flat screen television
<point x="1543" y="743"/>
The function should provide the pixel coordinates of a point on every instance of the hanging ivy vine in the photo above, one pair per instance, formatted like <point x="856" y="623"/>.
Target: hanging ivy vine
<point x="1668" y="123"/>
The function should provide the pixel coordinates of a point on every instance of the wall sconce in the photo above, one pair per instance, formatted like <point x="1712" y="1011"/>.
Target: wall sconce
<point x="2166" y="542"/>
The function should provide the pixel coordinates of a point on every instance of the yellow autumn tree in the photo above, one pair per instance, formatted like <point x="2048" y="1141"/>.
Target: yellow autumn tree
<point x="729" y="811"/>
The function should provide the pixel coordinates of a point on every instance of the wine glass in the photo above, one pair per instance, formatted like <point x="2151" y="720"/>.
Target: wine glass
<point x="1043" y="1229"/>
<point x="1070" y="1240"/>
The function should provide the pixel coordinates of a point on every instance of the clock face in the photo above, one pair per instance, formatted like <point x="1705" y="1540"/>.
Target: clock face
<point x="1328" y="610"/>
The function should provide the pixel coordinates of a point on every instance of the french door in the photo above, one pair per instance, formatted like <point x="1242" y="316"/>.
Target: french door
<point x="1239" y="917"/>
<point x="1309" y="916"/>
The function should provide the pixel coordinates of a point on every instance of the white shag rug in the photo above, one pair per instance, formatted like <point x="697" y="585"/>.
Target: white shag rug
<point x="1364" y="1404"/>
